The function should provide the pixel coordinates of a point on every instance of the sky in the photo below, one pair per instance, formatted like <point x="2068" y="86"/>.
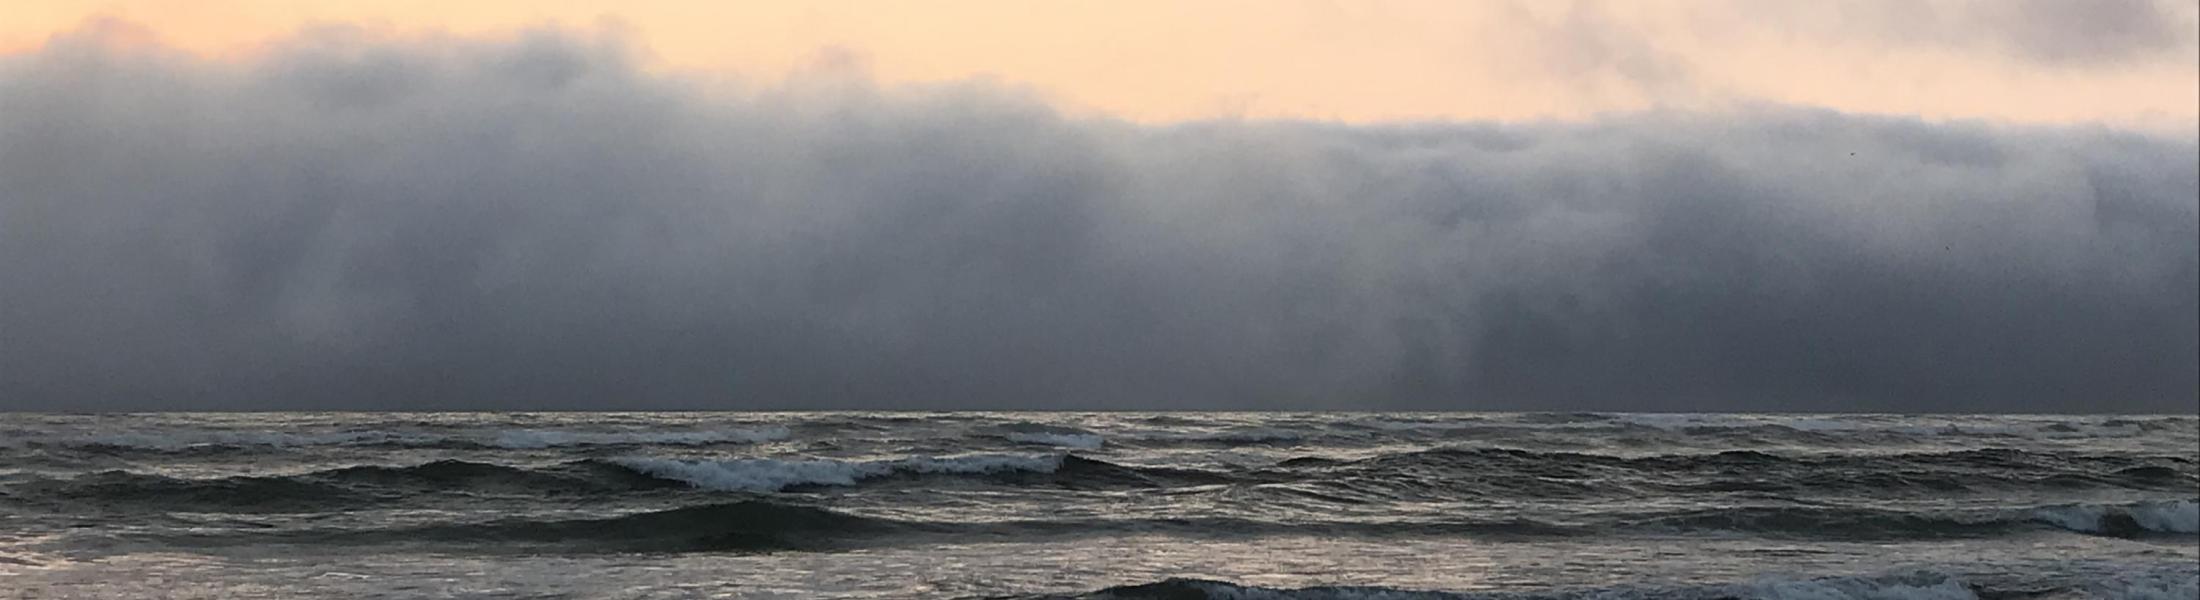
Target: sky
<point x="2123" y="61"/>
<point x="1712" y="205"/>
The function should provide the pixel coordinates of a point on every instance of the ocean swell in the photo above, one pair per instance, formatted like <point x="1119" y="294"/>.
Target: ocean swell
<point x="773" y="474"/>
<point x="742" y="526"/>
<point x="1461" y="473"/>
<point x="333" y="488"/>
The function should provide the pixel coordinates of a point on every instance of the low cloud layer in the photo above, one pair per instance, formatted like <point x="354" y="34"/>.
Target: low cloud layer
<point x="430" y="223"/>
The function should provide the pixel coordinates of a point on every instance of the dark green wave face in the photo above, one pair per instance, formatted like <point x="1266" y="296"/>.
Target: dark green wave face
<point x="1103" y="505"/>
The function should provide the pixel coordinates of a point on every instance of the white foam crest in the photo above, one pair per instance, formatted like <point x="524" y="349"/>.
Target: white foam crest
<point x="772" y="474"/>
<point x="551" y="438"/>
<point x="1087" y="441"/>
<point x="2176" y="516"/>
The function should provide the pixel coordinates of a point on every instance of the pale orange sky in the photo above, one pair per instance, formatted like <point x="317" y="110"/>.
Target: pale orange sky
<point x="1148" y="60"/>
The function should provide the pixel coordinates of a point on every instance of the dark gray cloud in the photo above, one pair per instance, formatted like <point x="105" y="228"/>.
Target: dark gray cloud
<point x="356" y="222"/>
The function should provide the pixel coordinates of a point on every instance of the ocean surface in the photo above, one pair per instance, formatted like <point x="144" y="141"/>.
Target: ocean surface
<point x="1105" y="505"/>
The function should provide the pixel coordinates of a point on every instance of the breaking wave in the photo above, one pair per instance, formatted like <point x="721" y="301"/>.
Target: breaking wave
<point x="2176" y="516"/>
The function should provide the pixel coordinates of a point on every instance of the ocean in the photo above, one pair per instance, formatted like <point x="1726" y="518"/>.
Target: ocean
<point x="1098" y="505"/>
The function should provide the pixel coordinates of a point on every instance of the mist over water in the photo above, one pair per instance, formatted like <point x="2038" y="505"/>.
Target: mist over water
<point x="359" y="221"/>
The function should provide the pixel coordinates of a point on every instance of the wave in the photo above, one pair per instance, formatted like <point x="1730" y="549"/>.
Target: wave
<point x="740" y="526"/>
<point x="1596" y="429"/>
<point x="2171" y="582"/>
<point x="377" y="486"/>
<point x="1453" y="472"/>
<point x="2116" y="520"/>
<point x="1441" y="474"/>
<point x="336" y="488"/>
<point x="1802" y="523"/>
<point x="1082" y="441"/>
<point x="773" y="474"/>
<point x="1444" y="474"/>
<point x="241" y="494"/>
<point x="752" y="525"/>
<point x="1233" y="436"/>
<point x="761" y="525"/>
<point x="205" y="440"/>
<point x="1807" y="523"/>
<point x="1586" y="430"/>
<point x="1902" y="426"/>
<point x="538" y="438"/>
<point x="371" y="484"/>
<point x="2176" y="516"/>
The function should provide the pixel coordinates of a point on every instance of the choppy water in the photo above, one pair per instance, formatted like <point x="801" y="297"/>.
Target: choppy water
<point x="1133" y="505"/>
